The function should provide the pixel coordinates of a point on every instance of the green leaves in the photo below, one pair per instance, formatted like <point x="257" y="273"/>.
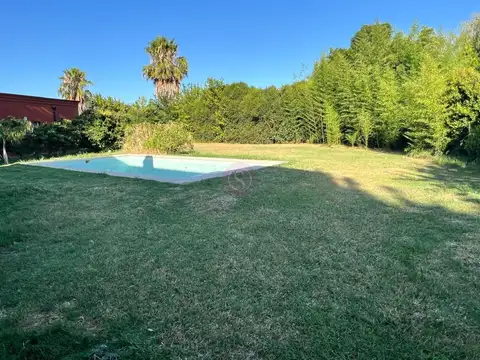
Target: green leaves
<point x="463" y="102"/>
<point x="472" y="143"/>
<point x="158" y="138"/>
<point x="12" y="131"/>
<point x="472" y="31"/>
<point x="418" y="91"/>
<point x="386" y="108"/>
<point x="166" y="69"/>
<point x="365" y="125"/>
<point x="332" y="123"/>
<point x="425" y="108"/>
<point x="352" y="137"/>
<point x="73" y="86"/>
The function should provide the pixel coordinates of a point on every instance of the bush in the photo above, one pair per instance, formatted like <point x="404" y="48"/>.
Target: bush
<point x="107" y="118"/>
<point x="59" y="138"/>
<point x="158" y="138"/>
<point x="104" y="122"/>
<point x="105" y="130"/>
<point x="472" y="143"/>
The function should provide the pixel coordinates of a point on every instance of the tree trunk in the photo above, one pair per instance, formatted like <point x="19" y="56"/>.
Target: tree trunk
<point x="4" y="152"/>
<point x="166" y="89"/>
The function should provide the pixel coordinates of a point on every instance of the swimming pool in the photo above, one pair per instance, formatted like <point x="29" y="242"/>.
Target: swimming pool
<point x="172" y="169"/>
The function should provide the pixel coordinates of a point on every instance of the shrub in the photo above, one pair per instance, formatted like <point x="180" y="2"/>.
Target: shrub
<point x="105" y="121"/>
<point x="12" y="131"/>
<point x="104" y="129"/>
<point x="159" y="138"/>
<point x="59" y="138"/>
<point x="472" y="143"/>
<point x="170" y="138"/>
<point x="107" y="118"/>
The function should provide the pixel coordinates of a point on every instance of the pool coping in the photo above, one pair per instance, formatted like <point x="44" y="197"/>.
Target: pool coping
<point x="238" y="167"/>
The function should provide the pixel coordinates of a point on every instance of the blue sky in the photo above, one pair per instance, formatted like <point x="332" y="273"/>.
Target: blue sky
<point x="260" y="42"/>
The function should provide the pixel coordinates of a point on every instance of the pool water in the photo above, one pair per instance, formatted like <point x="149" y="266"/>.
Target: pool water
<point x="174" y="169"/>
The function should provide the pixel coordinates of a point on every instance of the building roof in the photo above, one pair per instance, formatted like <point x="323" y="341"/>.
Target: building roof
<point x="36" y="108"/>
<point x="31" y="98"/>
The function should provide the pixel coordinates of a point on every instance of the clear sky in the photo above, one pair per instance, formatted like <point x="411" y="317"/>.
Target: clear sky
<point x="260" y="42"/>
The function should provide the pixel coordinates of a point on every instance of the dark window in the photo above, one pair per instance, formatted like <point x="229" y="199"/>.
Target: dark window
<point x="54" y="108"/>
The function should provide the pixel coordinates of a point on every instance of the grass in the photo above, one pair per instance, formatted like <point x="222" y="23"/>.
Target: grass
<point x="339" y="253"/>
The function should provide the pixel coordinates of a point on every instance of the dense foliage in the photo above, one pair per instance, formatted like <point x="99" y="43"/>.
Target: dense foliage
<point x="158" y="138"/>
<point x="58" y="138"/>
<point x="100" y="128"/>
<point x="11" y="131"/>
<point x="417" y="91"/>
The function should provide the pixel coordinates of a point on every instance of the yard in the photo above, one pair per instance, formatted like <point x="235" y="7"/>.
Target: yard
<point x="338" y="253"/>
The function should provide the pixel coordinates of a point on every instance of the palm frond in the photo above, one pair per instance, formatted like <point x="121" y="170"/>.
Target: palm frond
<point x="73" y="84"/>
<point x="166" y="69"/>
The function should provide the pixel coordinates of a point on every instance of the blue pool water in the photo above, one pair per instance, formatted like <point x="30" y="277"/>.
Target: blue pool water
<point x="161" y="168"/>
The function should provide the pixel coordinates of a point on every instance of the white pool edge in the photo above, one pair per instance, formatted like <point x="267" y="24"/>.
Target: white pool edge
<point x="243" y="165"/>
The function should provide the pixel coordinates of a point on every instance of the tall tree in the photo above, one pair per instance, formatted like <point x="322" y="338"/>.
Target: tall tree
<point x="74" y="87"/>
<point x="215" y="101"/>
<point x="371" y="44"/>
<point x="12" y="130"/>
<point x="332" y="122"/>
<point x="425" y="108"/>
<point x="463" y="102"/>
<point x="472" y="29"/>
<point x="166" y="68"/>
<point x="386" y="113"/>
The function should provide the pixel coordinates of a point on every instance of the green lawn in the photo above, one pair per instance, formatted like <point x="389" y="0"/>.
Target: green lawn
<point x="339" y="253"/>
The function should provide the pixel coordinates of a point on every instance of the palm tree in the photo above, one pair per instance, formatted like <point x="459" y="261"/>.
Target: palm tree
<point x="73" y="86"/>
<point x="12" y="130"/>
<point x="166" y="69"/>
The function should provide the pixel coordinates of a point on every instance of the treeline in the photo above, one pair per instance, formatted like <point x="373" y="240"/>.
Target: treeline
<point x="417" y="91"/>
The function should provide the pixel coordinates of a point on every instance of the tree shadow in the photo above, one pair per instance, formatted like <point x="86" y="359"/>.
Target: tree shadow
<point x="299" y="265"/>
<point x="54" y="342"/>
<point x="464" y="181"/>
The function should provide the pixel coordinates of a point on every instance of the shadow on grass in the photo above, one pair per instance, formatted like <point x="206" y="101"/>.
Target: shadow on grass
<point x="464" y="181"/>
<point x="301" y="265"/>
<point x="52" y="343"/>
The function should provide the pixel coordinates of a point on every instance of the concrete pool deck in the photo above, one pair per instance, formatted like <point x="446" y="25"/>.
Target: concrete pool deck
<point x="176" y="170"/>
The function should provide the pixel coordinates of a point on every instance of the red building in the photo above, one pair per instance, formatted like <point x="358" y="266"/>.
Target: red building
<point x="37" y="109"/>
